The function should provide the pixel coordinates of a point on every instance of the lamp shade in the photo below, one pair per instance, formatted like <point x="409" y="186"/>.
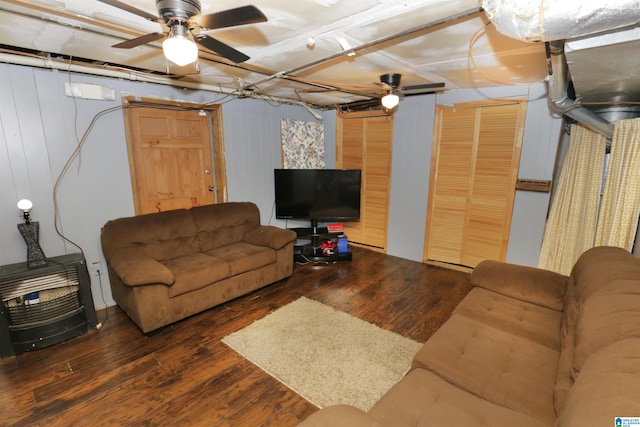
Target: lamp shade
<point x="25" y="205"/>
<point x="179" y="46"/>
<point x="390" y="101"/>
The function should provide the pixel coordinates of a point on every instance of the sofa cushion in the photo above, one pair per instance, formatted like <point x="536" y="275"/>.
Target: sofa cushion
<point x="495" y="365"/>
<point x="587" y="277"/>
<point x="422" y="398"/>
<point x="340" y="416"/>
<point x="606" y="388"/>
<point x="222" y="224"/>
<point x="195" y="272"/>
<point x="564" y="374"/>
<point x="161" y="235"/>
<point x="542" y="287"/>
<point x="520" y="318"/>
<point x="242" y="257"/>
<point x="599" y="266"/>
<point x="611" y="314"/>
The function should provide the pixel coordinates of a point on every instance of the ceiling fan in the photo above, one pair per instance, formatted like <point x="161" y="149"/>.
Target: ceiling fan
<point x="185" y="25"/>
<point x="390" y="83"/>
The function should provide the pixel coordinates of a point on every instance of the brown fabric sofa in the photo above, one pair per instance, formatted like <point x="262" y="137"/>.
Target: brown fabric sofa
<point x="166" y="266"/>
<point x="526" y="347"/>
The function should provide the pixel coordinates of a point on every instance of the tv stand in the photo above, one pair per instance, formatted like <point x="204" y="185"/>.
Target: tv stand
<point x="307" y="247"/>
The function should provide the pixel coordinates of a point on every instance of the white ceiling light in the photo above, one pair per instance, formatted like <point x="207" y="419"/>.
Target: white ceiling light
<point x="179" y="46"/>
<point x="390" y="100"/>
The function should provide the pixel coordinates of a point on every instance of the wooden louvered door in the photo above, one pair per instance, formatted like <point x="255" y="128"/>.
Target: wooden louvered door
<point x="475" y="158"/>
<point x="364" y="142"/>
<point x="449" y="193"/>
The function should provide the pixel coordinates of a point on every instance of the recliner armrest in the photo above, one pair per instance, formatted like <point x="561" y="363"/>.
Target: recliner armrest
<point x="268" y="235"/>
<point x="135" y="268"/>
<point x="530" y="284"/>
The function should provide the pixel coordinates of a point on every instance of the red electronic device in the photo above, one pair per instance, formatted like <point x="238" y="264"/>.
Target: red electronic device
<point x="335" y="228"/>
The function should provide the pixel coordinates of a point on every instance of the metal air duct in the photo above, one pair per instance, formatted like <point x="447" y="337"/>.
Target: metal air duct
<point x="559" y="101"/>
<point x="555" y="21"/>
<point x="549" y="20"/>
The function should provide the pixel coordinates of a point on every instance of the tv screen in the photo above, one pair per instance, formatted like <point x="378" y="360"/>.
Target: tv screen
<point x="318" y="194"/>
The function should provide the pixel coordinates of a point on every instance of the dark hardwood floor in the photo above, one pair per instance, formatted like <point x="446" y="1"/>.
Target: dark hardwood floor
<point x="185" y="376"/>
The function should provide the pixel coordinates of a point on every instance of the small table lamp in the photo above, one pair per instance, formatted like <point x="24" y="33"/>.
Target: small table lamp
<point x="30" y="231"/>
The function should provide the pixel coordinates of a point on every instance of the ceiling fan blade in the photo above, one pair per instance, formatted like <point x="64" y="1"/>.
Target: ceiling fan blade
<point x="230" y="18"/>
<point x="220" y="48"/>
<point x="147" y="38"/>
<point x="422" y="88"/>
<point x="130" y="9"/>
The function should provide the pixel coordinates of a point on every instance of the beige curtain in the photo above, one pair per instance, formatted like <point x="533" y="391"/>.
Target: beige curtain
<point x="571" y="226"/>
<point x="620" y="208"/>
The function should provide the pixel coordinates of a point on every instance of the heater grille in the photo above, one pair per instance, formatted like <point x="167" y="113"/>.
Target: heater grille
<point x="54" y="296"/>
<point x="45" y="305"/>
<point x="13" y="290"/>
<point x="53" y="305"/>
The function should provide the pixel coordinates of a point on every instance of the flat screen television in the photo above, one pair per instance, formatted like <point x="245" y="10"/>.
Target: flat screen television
<point x="318" y="194"/>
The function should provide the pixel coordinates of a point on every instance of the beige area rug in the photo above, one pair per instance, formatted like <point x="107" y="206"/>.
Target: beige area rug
<point x="325" y="355"/>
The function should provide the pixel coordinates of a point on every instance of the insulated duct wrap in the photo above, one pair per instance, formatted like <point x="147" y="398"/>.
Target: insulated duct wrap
<point x="548" y="20"/>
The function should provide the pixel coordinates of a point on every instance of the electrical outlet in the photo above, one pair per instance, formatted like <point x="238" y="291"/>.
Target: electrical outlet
<point x="96" y="268"/>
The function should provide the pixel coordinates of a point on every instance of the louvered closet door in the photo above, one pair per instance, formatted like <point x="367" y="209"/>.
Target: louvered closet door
<point x="474" y="171"/>
<point x="365" y="143"/>
<point x="353" y="158"/>
<point x="377" y="180"/>
<point x="451" y="174"/>
<point x="494" y="182"/>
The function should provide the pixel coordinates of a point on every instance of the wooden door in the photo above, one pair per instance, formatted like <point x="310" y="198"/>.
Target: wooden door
<point x="474" y="171"/>
<point x="451" y="176"/>
<point x="377" y="172"/>
<point x="364" y="142"/>
<point x="170" y="156"/>
<point x="493" y="189"/>
<point x="351" y="156"/>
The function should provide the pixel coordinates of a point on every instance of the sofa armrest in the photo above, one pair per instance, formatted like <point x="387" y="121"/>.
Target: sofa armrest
<point x="135" y="268"/>
<point x="340" y="416"/>
<point x="530" y="284"/>
<point x="268" y="235"/>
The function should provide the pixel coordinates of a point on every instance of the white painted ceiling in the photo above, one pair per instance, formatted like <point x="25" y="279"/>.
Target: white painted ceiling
<point x="425" y="40"/>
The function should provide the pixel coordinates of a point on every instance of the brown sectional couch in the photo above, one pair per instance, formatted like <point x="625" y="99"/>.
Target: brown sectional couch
<point x="166" y="266"/>
<point x="526" y="347"/>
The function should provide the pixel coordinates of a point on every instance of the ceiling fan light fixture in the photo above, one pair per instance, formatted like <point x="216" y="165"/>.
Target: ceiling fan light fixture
<point x="179" y="46"/>
<point x="391" y="79"/>
<point x="390" y="100"/>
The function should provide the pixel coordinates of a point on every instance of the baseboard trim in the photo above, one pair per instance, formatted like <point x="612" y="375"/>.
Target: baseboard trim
<point x="456" y="267"/>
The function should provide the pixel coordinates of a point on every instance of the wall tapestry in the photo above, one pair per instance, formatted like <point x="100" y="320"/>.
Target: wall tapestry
<point x="302" y="144"/>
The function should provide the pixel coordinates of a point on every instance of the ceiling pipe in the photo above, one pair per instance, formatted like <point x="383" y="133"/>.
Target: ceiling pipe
<point x="202" y="56"/>
<point x="281" y="75"/>
<point x="52" y="64"/>
<point x="557" y="83"/>
<point x="373" y="43"/>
